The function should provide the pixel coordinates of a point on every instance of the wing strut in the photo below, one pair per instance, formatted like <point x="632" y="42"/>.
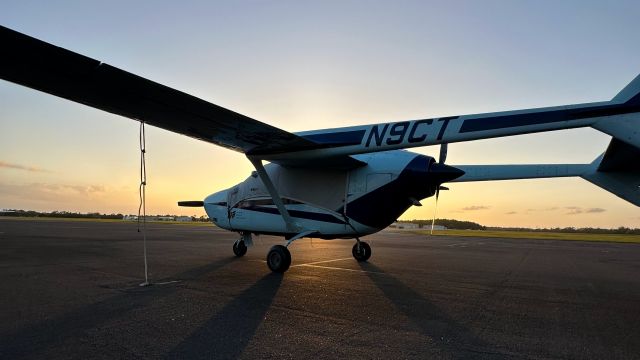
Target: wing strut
<point x="277" y="200"/>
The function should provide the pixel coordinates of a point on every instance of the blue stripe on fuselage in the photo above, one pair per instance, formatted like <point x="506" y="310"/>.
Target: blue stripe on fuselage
<point x="545" y="117"/>
<point x="298" y="214"/>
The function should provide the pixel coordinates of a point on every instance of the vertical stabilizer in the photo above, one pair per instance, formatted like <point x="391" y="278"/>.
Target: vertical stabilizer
<point x="625" y="127"/>
<point x="617" y="171"/>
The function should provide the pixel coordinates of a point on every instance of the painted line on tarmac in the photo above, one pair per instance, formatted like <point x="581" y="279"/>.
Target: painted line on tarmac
<point x="166" y="282"/>
<point x="322" y="262"/>
<point x="330" y="267"/>
<point x="311" y="263"/>
<point x="344" y="269"/>
<point x="457" y="244"/>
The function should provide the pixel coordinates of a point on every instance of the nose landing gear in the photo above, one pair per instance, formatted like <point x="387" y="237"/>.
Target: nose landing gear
<point x="240" y="246"/>
<point x="361" y="251"/>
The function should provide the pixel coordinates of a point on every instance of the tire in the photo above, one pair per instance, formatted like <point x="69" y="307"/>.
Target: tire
<point x="363" y="253"/>
<point x="239" y="248"/>
<point x="279" y="259"/>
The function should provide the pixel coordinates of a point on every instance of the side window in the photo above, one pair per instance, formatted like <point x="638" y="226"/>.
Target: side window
<point x="249" y="203"/>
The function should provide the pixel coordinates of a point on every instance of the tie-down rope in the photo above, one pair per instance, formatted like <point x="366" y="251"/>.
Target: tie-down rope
<point x="143" y="204"/>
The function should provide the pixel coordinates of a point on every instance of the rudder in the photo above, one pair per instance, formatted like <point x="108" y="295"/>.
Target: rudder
<point x="618" y="171"/>
<point x="625" y="127"/>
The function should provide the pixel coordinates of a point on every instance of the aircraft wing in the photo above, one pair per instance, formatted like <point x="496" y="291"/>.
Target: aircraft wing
<point x="619" y="118"/>
<point x="45" y="67"/>
<point x="57" y="71"/>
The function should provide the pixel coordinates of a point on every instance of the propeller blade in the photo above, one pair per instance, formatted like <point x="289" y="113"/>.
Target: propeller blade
<point x="442" y="173"/>
<point x="443" y="153"/>
<point x="435" y="210"/>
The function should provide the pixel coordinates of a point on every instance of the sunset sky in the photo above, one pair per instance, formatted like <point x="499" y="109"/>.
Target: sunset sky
<point x="302" y="65"/>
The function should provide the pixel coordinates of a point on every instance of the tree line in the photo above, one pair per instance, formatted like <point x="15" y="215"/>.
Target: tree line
<point x="448" y="223"/>
<point x="77" y="215"/>
<point x="470" y="225"/>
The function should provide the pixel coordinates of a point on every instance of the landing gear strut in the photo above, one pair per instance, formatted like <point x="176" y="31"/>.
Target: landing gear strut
<point x="361" y="251"/>
<point x="279" y="259"/>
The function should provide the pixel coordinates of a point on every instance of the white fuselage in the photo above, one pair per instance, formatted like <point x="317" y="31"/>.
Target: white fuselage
<point x="374" y="194"/>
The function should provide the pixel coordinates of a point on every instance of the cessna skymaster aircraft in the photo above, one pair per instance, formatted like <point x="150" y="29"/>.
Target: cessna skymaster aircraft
<point x="334" y="183"/>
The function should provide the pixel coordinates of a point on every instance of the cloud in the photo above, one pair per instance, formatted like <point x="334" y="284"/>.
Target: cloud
<point x="553" y="208"/>
<point x="575" y="210"/>
<point x="595" y="210"/>
<point x="475" y="208"/>
<point x="51" y="192"/>
<point x="511" y="213"/>
<point x="21" y="167"/>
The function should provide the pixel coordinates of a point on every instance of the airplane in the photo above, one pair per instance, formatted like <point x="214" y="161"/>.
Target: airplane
<point x="341" y="183"/>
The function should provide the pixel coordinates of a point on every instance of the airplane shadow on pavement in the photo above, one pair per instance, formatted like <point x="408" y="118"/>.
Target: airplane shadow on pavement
<point x="50" y="333"/>
<point x="227" y="334"/>
<point x="450" y="337"/>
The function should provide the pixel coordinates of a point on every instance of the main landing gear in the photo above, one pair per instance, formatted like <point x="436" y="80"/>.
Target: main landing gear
<point x="279" y="258"/>
<point x="361" y="251"/>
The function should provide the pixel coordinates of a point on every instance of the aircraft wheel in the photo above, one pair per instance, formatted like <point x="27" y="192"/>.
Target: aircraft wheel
<point x="361" y="253"/>
<point x="239" y="248"/>
<point x="279" y="259"/>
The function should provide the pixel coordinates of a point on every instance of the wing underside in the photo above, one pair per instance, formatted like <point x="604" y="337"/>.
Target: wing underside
<point x="57" y="71"/>
<point x="48" y="68"/>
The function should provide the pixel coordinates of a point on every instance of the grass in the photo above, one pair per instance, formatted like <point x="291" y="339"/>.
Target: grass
<point x="42" y="218"/>
<point x="618" y="238"/>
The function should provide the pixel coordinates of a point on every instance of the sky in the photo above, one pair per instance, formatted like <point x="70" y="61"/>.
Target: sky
<point x="303" y="65"/>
